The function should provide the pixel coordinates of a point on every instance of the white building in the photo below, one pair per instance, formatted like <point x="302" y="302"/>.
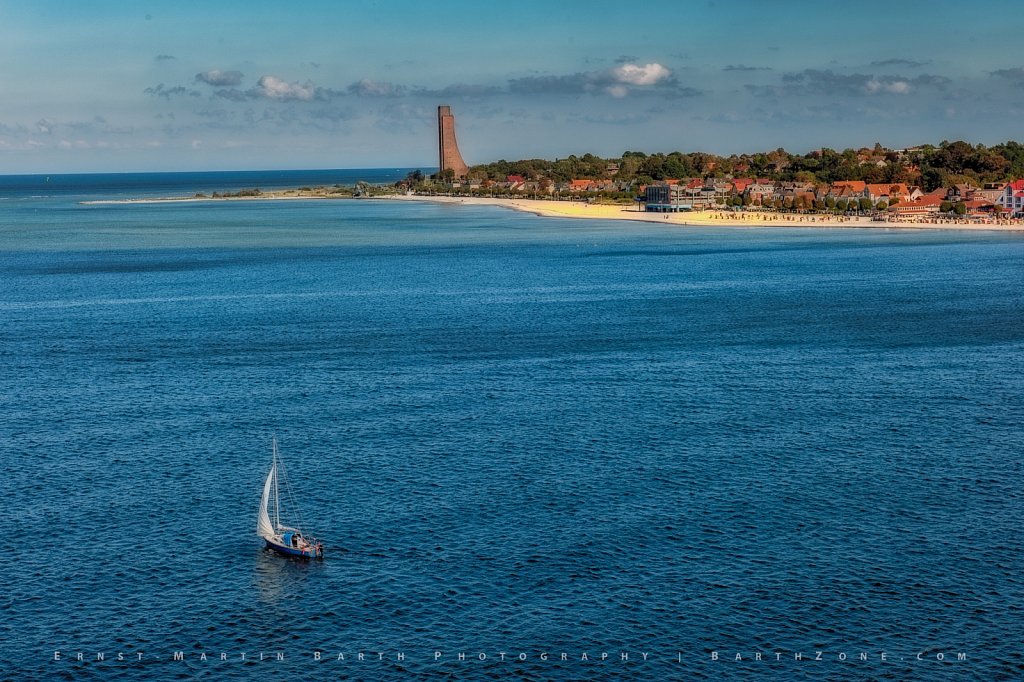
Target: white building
<point x="1012" y="199"/>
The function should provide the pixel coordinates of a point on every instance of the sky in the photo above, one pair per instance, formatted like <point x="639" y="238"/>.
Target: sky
<point x="106" y="86"/>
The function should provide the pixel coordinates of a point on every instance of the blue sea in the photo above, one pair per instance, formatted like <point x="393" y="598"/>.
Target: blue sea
<point x="533" y="448"/>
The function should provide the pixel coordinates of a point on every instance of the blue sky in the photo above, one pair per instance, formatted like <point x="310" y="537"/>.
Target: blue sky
<point x="136" y="86"/>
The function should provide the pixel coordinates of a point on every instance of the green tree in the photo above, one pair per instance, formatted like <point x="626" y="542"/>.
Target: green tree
<point x="842" y="205"/>
<point x="932" y="179"/>
<point x="952" y="156"/>
<point x="864" y="204"/>
<point x="872" y="173"/>
<point x="946" y="206"/>
<point x="1013" y="152"/>
<point x="960" y="208"/>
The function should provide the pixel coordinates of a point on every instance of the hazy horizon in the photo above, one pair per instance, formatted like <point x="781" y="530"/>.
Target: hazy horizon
<point x="150" y="88"/>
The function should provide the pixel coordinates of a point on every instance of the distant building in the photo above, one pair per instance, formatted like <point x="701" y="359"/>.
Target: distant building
<point x="587" y="185"/>
<point x="740" y="185"/>
<point x="760" y="192"/>
<point x="991" y="192"/>
<point x="582" y="185"/>
<point x="514" y="183"/>
<point x="928" y="204"/>
<point x="449" y="157"/>
<point x="1012" y="199"/>
<point x="979" y="208"/>
<point x="848" y="189"/>
<point x="666" y="198"/>
<point x="889" y="191"/>
<point x="960" y="192"/>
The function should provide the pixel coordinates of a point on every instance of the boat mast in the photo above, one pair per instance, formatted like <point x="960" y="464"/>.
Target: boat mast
<point x="277" y="508"/>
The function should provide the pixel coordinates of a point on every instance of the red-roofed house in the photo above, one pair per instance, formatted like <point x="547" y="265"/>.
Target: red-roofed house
<point x="581" y="185"/>
<point x="927" y="205"/>
<point x="852" y="185"/>
<point x="1012" y="199"/>
<point x="848" y="189"/>
<point x="890" y="191"/>
<point x="741" y="184"/>
<point x="761" y="192"/>
<point x="979" y="207"/>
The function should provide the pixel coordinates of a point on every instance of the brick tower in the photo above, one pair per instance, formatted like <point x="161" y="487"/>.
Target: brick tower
<point x="448" y="148"/>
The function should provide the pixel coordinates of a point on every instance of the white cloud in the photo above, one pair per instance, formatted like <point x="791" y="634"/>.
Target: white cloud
<point x="634" y="74"/>
<point x="275" y="88"/>
<point x="618" y="81"/>
<point x="896" y="87"/>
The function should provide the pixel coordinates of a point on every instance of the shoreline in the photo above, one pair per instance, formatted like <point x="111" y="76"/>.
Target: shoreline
<point x="273" y="195"/>
<point x="588" y="211"/>
<point x="718" y="218"/>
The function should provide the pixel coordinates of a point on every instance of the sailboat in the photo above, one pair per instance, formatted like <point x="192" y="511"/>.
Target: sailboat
<point x="282" y="539"/>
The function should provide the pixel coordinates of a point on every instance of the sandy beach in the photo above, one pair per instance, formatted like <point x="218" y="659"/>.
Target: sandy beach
<point x="585" y="210"/>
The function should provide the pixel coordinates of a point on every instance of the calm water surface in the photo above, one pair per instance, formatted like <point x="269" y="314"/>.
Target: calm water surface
<point x="513" y="434"/>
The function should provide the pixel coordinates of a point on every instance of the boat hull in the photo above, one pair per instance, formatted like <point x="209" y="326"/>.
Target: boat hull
<point x="307" y="553"/>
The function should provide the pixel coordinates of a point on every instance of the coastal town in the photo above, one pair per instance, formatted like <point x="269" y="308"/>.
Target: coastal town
<point x="995" y="203"/>
<point x="952" y="182"/>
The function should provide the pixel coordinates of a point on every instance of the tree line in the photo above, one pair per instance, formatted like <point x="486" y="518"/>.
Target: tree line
<point x="928" y="166"/>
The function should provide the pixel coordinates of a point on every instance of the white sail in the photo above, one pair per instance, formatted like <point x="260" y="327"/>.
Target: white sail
<point x="264" y="528"/>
